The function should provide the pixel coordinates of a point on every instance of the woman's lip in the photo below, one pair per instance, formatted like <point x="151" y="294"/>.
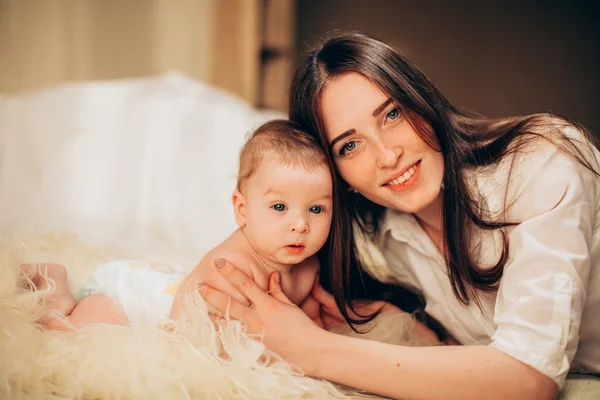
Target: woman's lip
<point x="407" y="183"/>
<point x="398" y="175"/>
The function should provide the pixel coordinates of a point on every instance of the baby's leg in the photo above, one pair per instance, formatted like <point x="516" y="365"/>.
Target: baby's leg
<point x="94" y="309"/>
<point x="41" y="275"/>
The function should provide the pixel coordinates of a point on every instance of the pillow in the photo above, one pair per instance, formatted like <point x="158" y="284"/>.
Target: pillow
<point x="145" y="164"/>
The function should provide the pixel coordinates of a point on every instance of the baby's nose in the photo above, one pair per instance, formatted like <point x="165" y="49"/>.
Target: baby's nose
<point x="299" y="226"/>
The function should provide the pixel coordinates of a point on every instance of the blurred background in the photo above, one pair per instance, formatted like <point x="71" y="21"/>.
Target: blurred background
<point x="499" y="58"/>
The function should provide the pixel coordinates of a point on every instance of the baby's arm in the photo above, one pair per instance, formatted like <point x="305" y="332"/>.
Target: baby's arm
<point x="41" y="276"/>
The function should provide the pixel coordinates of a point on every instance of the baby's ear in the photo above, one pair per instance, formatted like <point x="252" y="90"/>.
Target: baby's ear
<point x="239" y="208"/>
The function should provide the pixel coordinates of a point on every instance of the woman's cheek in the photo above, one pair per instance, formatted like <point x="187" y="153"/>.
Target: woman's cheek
<point x="354" y="175"/>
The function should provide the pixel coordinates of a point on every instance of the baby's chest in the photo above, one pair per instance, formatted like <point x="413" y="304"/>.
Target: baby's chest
<point x="293" y="288"/>
<point x="295" y="285"/>
<point x="296" y="296"/>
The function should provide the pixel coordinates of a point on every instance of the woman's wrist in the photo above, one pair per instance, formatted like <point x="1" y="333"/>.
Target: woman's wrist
<point x="330" y="352"/>
<point x="319" y="347"/>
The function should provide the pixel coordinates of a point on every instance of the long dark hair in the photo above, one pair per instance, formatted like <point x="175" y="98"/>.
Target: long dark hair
<point x="465" y="139"/>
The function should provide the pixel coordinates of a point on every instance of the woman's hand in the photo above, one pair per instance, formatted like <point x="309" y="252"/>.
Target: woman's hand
<point x="286" y="329"/>
<point x="321" y="307"/>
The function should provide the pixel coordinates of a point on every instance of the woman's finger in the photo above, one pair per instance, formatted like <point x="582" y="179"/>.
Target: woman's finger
<point x="361" y="308"/>
<point x="311" y="307"/>
<point x="275" y="289"/>
<point x="215" y="279"/>
<point x="327" y="300"/>
<point x="242" y="282"/>
<point x="330" y="321"/>
<point x="321" y="295"/>
<point x="227" y="306"/>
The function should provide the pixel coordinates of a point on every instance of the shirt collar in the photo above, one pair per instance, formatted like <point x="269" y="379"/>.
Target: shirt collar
<point x="402" y="226"/>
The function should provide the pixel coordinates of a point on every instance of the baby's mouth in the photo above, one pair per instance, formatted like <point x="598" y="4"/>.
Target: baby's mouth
<point x="294" y="248"/>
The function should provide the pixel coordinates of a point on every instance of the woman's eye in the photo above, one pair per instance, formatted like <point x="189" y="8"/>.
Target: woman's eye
<point x="278" y="207"/>
<point x="393" y="114"/>
<point x="348" y="147"/>
<point x="316" y="209"/>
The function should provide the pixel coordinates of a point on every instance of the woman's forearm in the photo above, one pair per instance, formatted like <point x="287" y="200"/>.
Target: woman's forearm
<point x="441" y="372"/>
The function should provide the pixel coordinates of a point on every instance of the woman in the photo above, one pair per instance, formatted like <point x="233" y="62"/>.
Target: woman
<point x="494" y="221"/>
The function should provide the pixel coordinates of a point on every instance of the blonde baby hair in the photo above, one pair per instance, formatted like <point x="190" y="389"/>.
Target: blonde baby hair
<point x="283" y="141"/>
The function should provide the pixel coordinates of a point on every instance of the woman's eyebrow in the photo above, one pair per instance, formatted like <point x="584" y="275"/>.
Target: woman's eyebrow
<point x="340" y="137"/>
<point x="383" y="105"/>
<point x="349" y="132"/>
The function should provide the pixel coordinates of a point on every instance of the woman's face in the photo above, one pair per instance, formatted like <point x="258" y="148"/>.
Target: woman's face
<point x="375" y="148"/>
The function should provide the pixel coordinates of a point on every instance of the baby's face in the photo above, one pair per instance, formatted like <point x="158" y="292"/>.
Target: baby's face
<point x="288" y="211"/>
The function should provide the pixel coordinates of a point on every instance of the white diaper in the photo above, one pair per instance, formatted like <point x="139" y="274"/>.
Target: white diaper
<point x="144" y="290"/>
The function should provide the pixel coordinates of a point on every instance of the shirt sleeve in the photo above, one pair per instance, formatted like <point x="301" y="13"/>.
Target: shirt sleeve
<point x="543" y="290"/>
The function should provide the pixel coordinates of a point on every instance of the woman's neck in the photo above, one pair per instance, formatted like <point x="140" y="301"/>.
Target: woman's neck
<point x="431" y="215"/>
<point x="431" y="220"/>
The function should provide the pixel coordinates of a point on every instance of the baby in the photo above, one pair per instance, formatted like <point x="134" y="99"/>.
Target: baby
<point x="283" y="207"/>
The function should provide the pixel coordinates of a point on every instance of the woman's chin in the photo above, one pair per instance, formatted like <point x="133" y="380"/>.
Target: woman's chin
<point x="415" y="202"/>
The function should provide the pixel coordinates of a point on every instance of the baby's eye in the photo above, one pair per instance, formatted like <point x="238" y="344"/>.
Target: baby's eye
<point x="348" y="147"/>
<point x="278" y="207"/>
<point x="316" y="209"/>
<point x="393" y="114"/>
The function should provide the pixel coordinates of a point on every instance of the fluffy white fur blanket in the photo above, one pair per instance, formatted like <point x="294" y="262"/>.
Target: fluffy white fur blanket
<point x="111" y="362"/>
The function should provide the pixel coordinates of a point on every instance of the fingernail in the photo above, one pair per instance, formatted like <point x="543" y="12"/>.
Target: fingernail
<point x="277" y="277"/>
<point x="219" y="262"/>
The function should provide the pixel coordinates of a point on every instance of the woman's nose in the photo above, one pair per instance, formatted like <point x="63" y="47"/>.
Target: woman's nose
<point x="387" y="156"/>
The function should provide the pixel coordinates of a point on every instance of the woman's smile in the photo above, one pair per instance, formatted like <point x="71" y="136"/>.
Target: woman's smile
<point x="407" y="178"/>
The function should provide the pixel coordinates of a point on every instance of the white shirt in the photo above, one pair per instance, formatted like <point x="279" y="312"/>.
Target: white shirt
<point x="546" y="312"/>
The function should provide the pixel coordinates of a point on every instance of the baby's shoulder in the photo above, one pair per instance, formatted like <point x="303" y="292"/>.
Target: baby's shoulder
<point x="244" y="260"/>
